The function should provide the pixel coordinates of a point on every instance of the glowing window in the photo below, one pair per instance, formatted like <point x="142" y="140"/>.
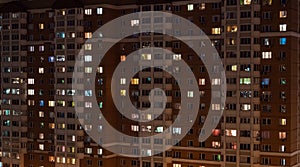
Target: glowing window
<point x="282" y="135"/>
<point x="41" y="26"/>
<point x="88" y="11"/>
<point x="190" y="7"/>
<point x="282" y="27"/>
<point x="282" y="41"/>
<point x="232" y="28"/>
<point x="201" y="81"/>
<point x="99" y="11"/>
<point x="283" y="14"/>
<point x="216" y="30"/>
<point x="266" y="55"/>
<point x="229" y="132"/>
<point x="282" y="121"/>
<point x="135" y="81"/>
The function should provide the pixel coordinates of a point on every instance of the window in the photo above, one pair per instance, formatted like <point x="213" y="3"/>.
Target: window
<point x="41" y="146"/>
<point x="30" y="81"/>
<point x="135" y="81"/>
<point x="245" y="107"/>
<point x="176" y="165"/>
<point x="30" y="91"/>
<point x="283" y="14"/>
<point x="41" y="26"/>
<point x="282" y="41"/>
<point x="88" y="11"/>
<point x="88" y="47"/>
<point x="88" y="35"/>
<point x="283" y="162"/>
<point x="99" y="11"/>
<point x="87" y="58"/>
<point x="232" y="28"/>
<point x="216" y="31"/>
<point x="202" y="6"/>
<point x="230" y="132"/>
<point x="135" y="128"/>
<point x="282" y="135"/>
<point x="31" y="48"/>
<point x="190" y="7"/>
<point x="282" y="27"/>
<point x="245" y="2"/>
<point x="245" y="81"/>
<point x="146" y="57"/>
<point x="267" y="2"/>
<point x="201" y="81"/>
<point x="266" y="55"/>
<point x="88" y="150"/>
<point x="282" y="121"/>
<point x="135" y="22"/>
<point x="216" y="81"/>
<point x="190" y="94"/>
<point x="41" y="48"/>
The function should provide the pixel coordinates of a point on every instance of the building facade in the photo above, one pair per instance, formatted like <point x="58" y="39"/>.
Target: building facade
<point x="257" y="40"/>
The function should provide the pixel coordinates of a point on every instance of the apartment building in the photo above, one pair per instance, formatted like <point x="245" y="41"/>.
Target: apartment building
<point x="257" y="40"/>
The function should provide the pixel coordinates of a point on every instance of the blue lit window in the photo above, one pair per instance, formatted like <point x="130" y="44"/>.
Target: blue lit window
<point x="282" y="41"/>
<point x="51" y="59"/>
<point x="60" y="35"/>
<point x="42" y="103"/>
<point x="265" y="81"/>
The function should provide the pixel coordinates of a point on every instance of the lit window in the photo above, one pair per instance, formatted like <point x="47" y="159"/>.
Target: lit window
<point x="72" y="34"/>
<point x="135" y="81"/>
<point x="190" y="7"/>
<point x="88" y="35"/>
<point x="176" y="165"/>
<point x="87" y="58"/>
<point x="41" y="146"/>
<point x="135" y="22"/>
<point x="190" y="94"/>
<point x="232" y="28"/>
<point x="30" y="81"/>
<point x="41" y="26"/>
<point x="216" y="30"/>
<point x="88" y="104"/>
<point x="283" y="14"/>
<point x="215" y="107"/>
<point x="60" y="58"/>
<point x="267" y="2"/>
<point x="88" y="70"/>
<point x="30" y="91"/>
<point x="282" y="121"/>
<point x="122" y="57"/>
<point x="99" y="151"/>
<point x="282" y="162"/>
<point x="266" y="55"/>
<point x="146" y="57"/>
<point x="282" y="135"/>
<point x="41" y="114"/>
<point x="245" y="81"/>
<point x="177" y="57"/>
<point x="266" y="42"/>
<point x="216" y="144"/>
<point x="99" y="11"/>
<point x="88" y="47"/>
<point x="245" y="107"/>
<point x="230" y="132"/>
<point x="202" y="6"/>
<point x="51" y="103"/>
<point x="201" y="81"/>
<point x="100" y="70"/>
<point x="265" y="81"/>
<point x="135" y="128"/>
<point x="123" y="81"/>
<point x="88" y="93"/>
<point x="51" y="59"/>
<point x="88" y="150"/>
<point x="176" y="131"/>
<point x="216" y="81"/>
<point x="123" y="92"/>
<point x="245" y="2"/>
<point x="41" y="48"/>
<point x="282" y="81"/>
<point x="31" y="48"/>
<point x="88" y="11"/>
<point x="282" y="148"/>
<point x="41" y="136"/>
<point x="282" y="27"/>
<point x="282" y="41"/>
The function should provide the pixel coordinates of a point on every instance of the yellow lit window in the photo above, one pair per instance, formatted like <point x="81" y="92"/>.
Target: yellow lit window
<point x="283" y="14"/>
<point x="201" y="81"/>
<point x="41" y="26"/>
<point x="245" y="2"/>
<point x="282" y="121"/>
<point x="123" y="92"/>
<point x="88" y="47"/>
<point x="282" y="135"/>
<point x="232" y="28"/>
<point x="202" y="6"/>
<point x="135" y="81"/>
<point x="51" y="125"/>
<point x="122" y="57"/>
<point x="88" y="35"/>
<point x="216" y="30"/>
